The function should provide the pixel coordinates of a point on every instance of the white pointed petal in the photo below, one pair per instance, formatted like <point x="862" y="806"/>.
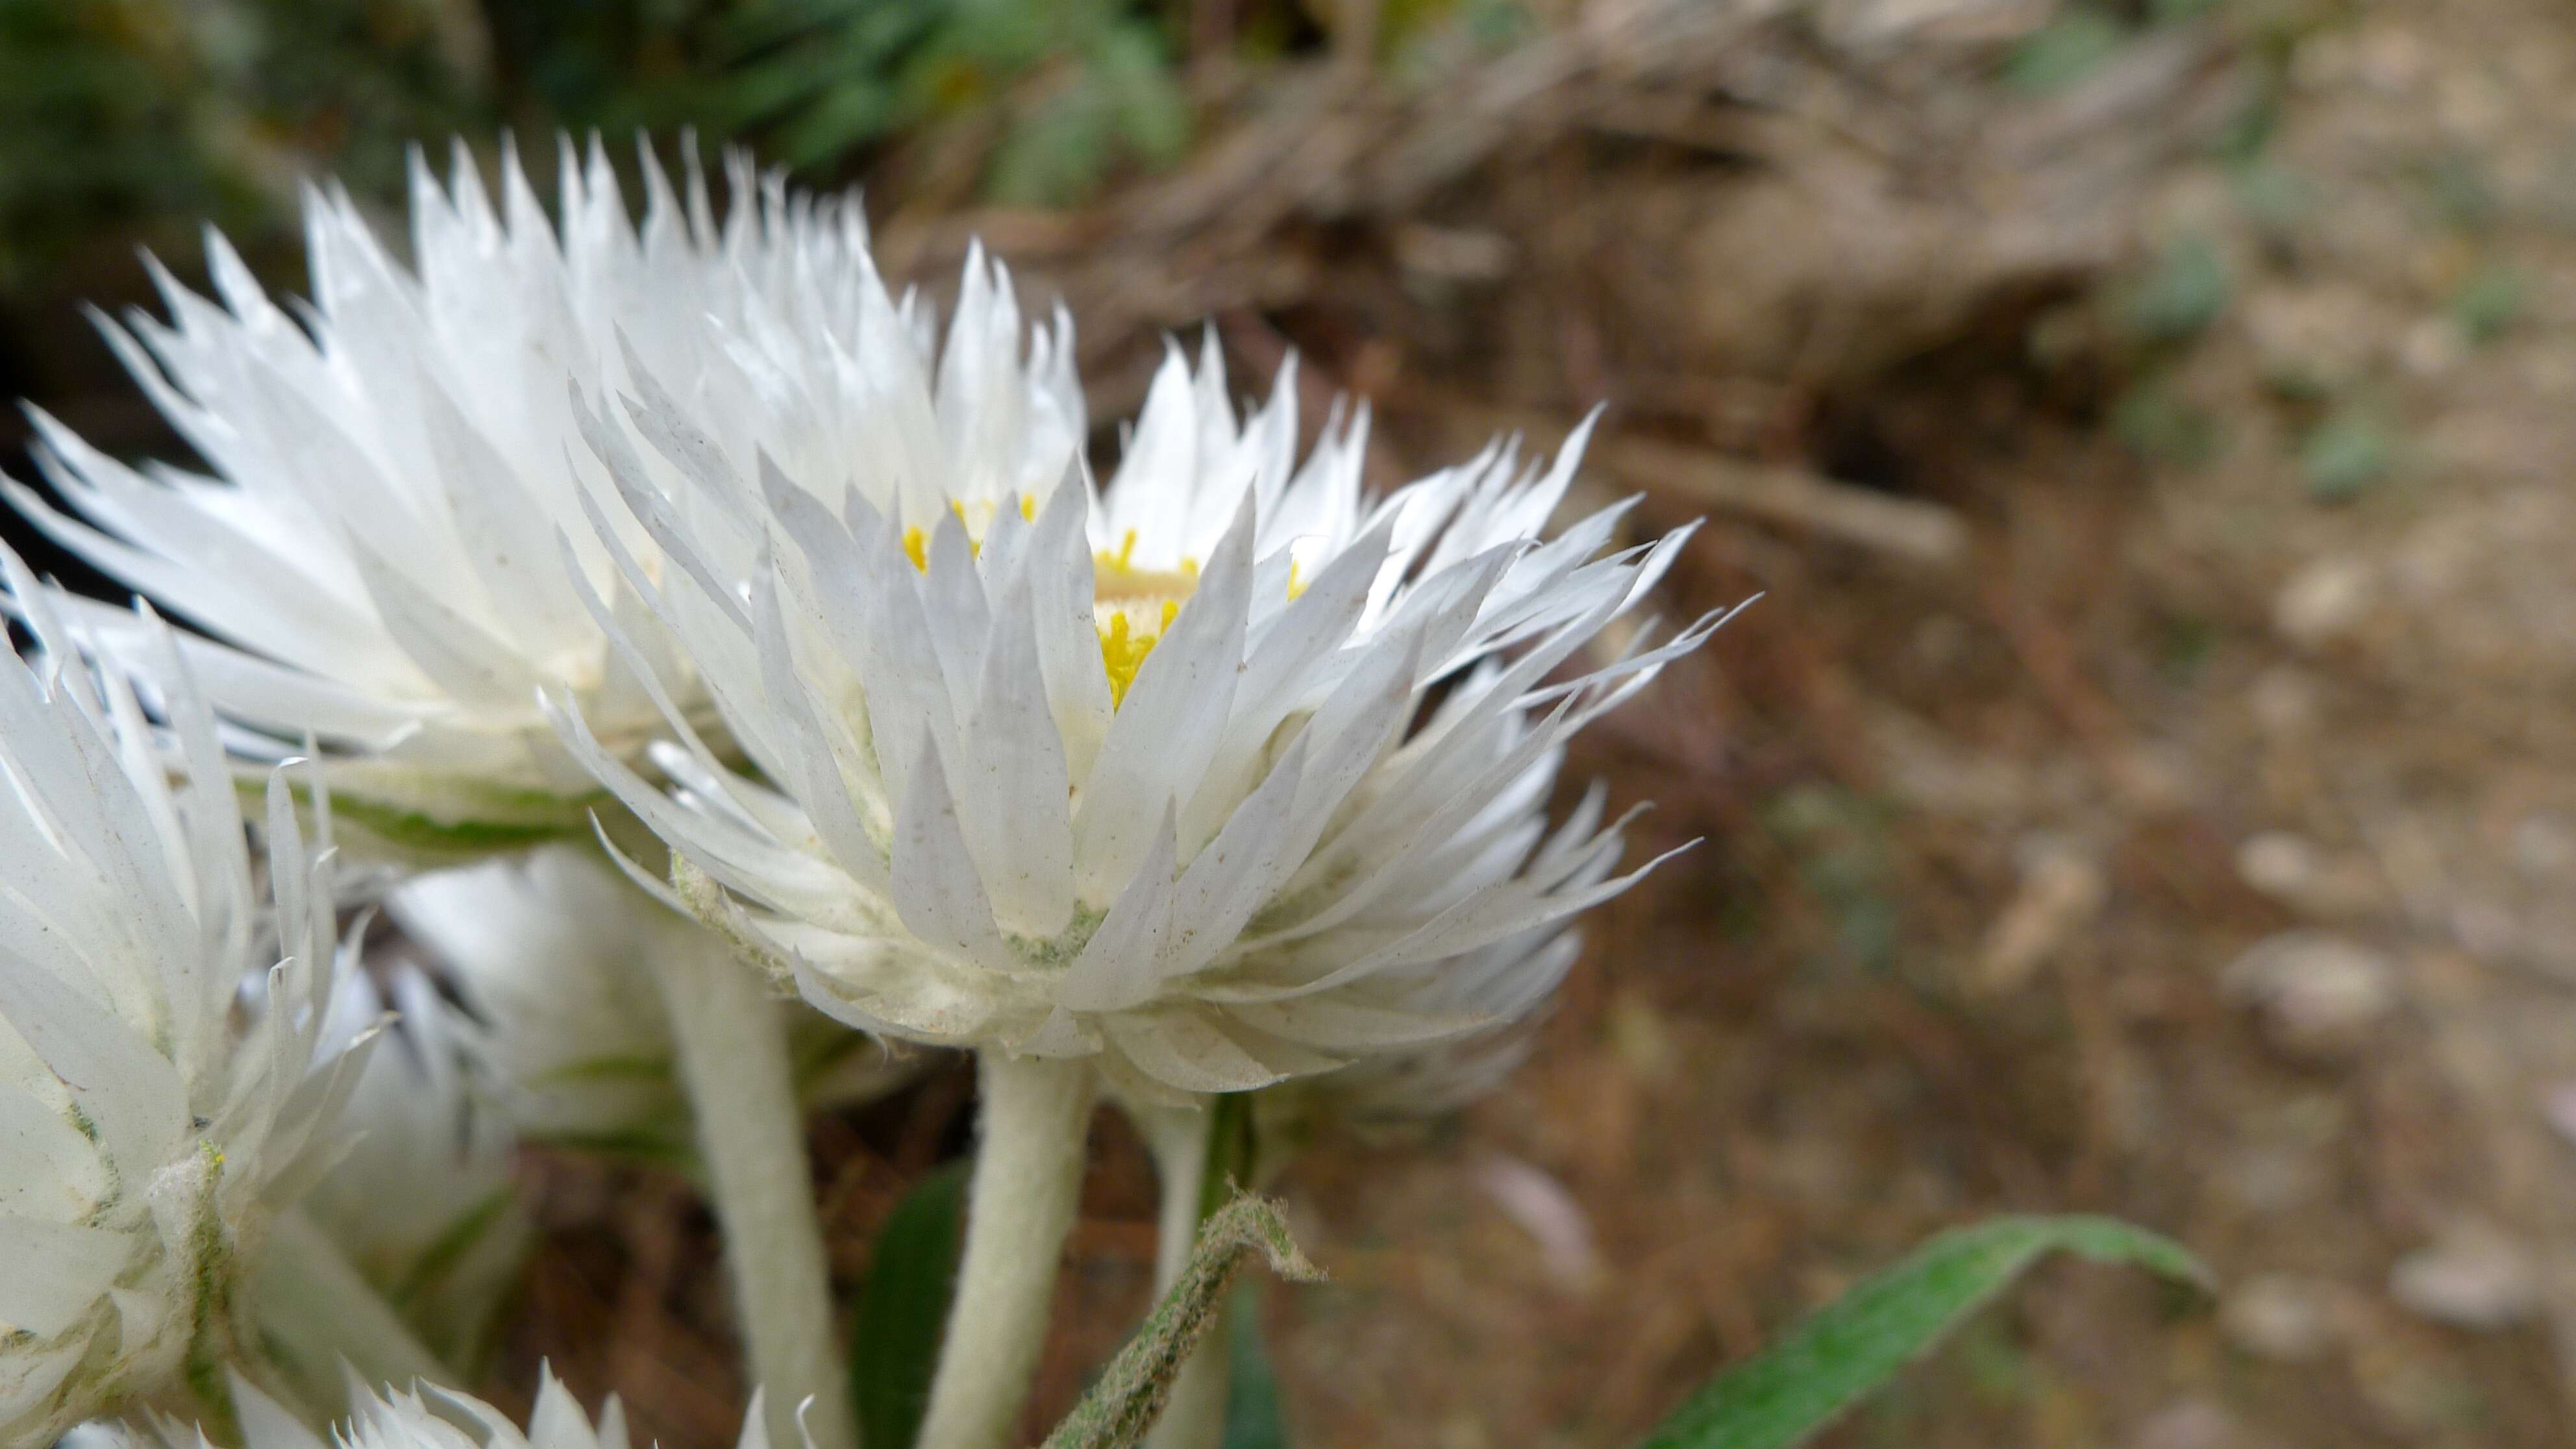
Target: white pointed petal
<point x="1168" y="729"/>
<point x="47" y="1169"/>
<point x="1060" y="596"/>
<point x="1229" y="879"/>
<point x="952" y="598"/>
<point x="54" y="1271"/>
<point x="459" y="656"/>
<point x="934" y="882"/>
<point x="129" y="1090"/>
<point x="1116" y="967"/>
<point x="265" y="1423"/>
<point x="1179" y="1049"/>
<point x="1016" y="802"/>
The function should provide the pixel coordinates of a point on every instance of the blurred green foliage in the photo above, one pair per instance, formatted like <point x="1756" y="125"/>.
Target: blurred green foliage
<point x="124" y="116"/>
<point x="1840" y="843"/>
<point x="2182" y="294"/>
<point x="2347" y="452"/>
<point x="2486" y="305"/>
<point x="1082" y="85"/>
<point x="132" y="121"/>
<point x="2077" y="42"/>
<point x="2154" y="420"/>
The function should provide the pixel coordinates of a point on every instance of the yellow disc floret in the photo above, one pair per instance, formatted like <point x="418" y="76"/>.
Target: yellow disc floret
<point x="978" y="518"/>
<point x="1123" y="651"/>
<point x="1123" y="595"/>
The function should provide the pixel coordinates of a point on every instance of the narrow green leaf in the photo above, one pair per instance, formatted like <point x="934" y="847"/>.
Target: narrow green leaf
<point x="1799" y="1385"/>
<point x="1132" y="1389"/>
<point x="1231" y="1147"/>
<point x="1253" y="1419"/>
<point x="904" y="1309"/>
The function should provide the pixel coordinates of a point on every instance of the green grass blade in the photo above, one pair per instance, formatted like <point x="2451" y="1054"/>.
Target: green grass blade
<point x="1253" y="1419"/>
<point x="1859" y="1341"/>
<point x="904" y="1309"/>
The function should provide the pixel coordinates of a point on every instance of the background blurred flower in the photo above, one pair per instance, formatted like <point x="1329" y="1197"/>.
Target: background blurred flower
<point x="423" y="1204"/>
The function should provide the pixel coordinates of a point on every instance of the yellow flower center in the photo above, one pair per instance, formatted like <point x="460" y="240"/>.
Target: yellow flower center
<point x="1122" y="651"/>
<point x="1132" y="608"/>
<point x="978" y="518"/>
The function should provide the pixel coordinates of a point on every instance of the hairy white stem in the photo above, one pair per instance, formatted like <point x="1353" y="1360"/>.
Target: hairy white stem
<point x="733" y="1058"/>
<point x="317" y="1311"/>
<point x="1179" y="1138"/>
<point x="1028" y="1181"/>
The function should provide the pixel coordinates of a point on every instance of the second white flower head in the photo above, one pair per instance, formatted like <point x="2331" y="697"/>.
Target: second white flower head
<point x="1224" y="774"/>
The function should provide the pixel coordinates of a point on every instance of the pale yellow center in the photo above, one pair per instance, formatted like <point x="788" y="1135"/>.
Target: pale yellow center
<point x="1132" y="608"/>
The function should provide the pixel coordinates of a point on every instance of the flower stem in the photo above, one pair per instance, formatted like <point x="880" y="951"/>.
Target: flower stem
<point x="733" y="1059"/>
<point x="1028" y="1179"/>
<point x="317" y="1311"/>
<point x="1180" y="1139"/>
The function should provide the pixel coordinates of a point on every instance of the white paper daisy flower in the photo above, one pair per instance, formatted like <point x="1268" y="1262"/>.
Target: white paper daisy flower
<point x="153" y="1114"/>
<point x="374" y="550"/>
<point x="1223" y="776"/>
<point x="427" y="1417"/>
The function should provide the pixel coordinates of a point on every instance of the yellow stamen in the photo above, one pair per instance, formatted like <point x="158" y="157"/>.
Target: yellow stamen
<point x="916" y="541"/>
<point x="1123" y="652"/>
<point x="1296" y="585"/>
<point x="1121" y="656"/>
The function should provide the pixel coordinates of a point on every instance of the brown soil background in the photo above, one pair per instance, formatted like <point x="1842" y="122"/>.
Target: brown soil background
<point x="2067" y="689"/>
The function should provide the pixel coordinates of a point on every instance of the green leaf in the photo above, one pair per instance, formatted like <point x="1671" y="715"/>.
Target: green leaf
<point x="2186" y="291"/>
<point x="2348" y="452"/>
<point x="2064" y="52"/>
<point x="1131" y="1390"/>
<point x="1854" y="1344"/>
<point x="2487" y="303"/>
<point x="1231" y="1147"/>
<point x="2155" y="421"/>
<point x="1252" y="1415"/>
<point x="904" y="1308"/>
<point x="1055" y="155"/>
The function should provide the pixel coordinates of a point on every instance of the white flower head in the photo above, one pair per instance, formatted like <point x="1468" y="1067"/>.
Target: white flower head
<point x="1224" y="775"/>
<point x="375" y="551"/>
<point x="548" y="949"/>
<point x="428" y="1417"/>
<point x="424" y="1204"/>
<point x="166" y="1079"/>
